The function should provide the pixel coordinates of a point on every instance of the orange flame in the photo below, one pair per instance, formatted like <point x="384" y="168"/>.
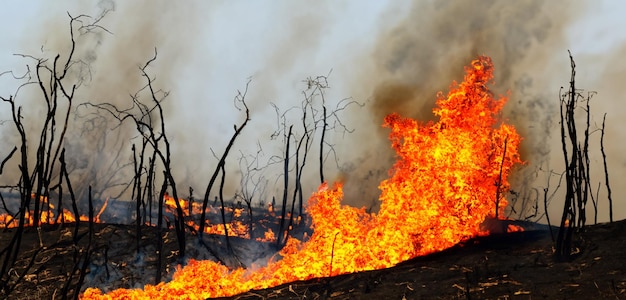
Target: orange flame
<point x="441" y="189"/>
<point x="47" y="216"/>
<point x="235" y="228"/>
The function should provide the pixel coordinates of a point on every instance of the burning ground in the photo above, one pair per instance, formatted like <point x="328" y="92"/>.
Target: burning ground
<point x="449" y="180"/>
<point x="518" y="265"/>
<point x="441" y="190"/>
<point x="450" y="177"/>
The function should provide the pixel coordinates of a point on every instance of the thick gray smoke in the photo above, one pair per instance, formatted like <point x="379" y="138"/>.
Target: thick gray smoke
<point x="416" y="50"/>
<point x="428" y="48"/>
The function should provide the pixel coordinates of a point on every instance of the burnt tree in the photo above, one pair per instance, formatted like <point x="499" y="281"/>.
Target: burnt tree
<point x="41" y="139"/>
<point x="148" y="119"/>
<point x="252" y="183"/>
<point x="575" y="147"/>
<point x="316" y="120"/>
<point x="240" y="104"/>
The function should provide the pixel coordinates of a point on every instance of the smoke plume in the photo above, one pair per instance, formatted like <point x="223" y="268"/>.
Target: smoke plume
<point x="418" y="49"/>
<point x="427" y="49"/>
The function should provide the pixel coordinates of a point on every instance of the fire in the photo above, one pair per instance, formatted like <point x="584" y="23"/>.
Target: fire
<point x="235" y="228"/>
<point x="443" y="186"/>
<point x="48" y="216"/>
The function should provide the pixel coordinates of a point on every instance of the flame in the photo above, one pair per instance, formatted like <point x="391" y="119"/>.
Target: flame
<point x="443" y="186"/>
<point x="514" y="228"/>
<point x="235" y="227"/>
<point x="269" y="237"/>
<point x="47" y="216"/>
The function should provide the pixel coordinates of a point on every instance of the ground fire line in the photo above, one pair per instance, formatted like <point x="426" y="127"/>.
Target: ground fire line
<point x="449" y="177"/>
<point x="50" y="215"/>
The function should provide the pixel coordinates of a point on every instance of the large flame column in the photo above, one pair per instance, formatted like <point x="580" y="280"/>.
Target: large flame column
<point x="450" y="174"/>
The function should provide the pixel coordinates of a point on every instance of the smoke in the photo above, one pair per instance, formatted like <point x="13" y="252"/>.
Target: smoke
<point x="199" y="113"/>
<point x="106" y="69"/>
<point x="398" y="63"/>
<point x="528" y="42"/>
<point x="427" y="49"/>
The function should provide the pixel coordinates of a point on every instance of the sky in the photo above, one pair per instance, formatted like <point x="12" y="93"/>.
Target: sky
<point x="372" y="51"/>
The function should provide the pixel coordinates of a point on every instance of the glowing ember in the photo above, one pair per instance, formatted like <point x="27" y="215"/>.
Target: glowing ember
<point x="441" y="189"/>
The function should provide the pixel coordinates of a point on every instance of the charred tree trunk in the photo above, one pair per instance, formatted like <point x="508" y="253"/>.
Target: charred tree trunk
<point x="576" y="169"/>
<point x="87" y="255"/>
<point x="137" y="194"/>
<point x="150" y="186"/>
<point x="241" y="97"/>
<point x="223" y="212"/>
<point x="281" y="228"/>
<point x="568" y="218"/>
<point x="25" y="188"/>
<point x="324" y="127"/>
<point x="499" y="183"/>
<point x="159" y="235"/>
<point x="606" y="172"/>
<point x="296" y="189"/>
<point x="72" y="196"/>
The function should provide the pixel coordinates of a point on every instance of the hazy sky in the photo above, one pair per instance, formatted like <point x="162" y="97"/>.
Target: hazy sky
<point x="209" y="50"/>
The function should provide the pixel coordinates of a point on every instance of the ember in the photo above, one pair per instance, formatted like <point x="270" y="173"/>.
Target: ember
<point x="450" y="175"/>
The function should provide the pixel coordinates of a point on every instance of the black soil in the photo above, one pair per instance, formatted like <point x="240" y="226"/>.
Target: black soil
<point x="503" y="266"/>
